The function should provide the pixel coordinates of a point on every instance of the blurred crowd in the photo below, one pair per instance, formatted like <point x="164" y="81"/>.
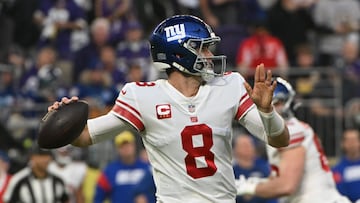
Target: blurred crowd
<point x="91" y="48"/>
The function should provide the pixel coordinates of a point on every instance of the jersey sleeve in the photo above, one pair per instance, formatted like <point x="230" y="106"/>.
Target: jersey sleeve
<point x="126" y="107"/>
<point x="245" y="103"/>
<point x="246" y="112"/>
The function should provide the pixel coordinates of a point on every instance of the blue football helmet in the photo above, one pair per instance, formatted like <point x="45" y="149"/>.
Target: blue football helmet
<point x="177" y="42"/>
<point x="284" y="93"/>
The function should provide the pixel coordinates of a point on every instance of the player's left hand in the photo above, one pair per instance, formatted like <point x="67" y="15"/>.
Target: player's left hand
<point x="263" y="89"/>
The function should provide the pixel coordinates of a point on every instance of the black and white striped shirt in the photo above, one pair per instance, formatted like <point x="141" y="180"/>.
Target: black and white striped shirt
<point x="24" y="187"/>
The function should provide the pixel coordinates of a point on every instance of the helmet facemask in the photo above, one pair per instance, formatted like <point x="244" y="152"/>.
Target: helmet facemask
<point x="208" y="67"/>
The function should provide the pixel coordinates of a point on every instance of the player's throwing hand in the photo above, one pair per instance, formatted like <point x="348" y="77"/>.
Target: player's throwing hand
<point x="64" y="100"/>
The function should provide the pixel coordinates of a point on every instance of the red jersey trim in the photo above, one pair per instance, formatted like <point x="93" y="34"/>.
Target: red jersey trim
<point x="130" y="107"/>
<point x="244" y="106"/>
<point x="296" y="140"/>
<point x="136" y="122"/>
<point x="243" y="97"/>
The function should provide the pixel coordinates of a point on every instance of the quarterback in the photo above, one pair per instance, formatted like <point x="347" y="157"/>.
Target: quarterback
<point x="185" y="121"/>
<point x="301" y="171"/>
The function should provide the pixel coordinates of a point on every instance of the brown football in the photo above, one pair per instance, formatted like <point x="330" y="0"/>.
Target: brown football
<point x="62" y="126"/>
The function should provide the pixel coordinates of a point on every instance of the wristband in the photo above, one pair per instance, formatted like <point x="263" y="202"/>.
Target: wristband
<point x="273" y="123"/>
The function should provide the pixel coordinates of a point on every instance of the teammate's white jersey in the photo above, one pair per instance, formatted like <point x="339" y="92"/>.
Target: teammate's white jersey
<point x="73" y="175"/>
<point x="188" y="140"/>
<point x="317" y="184"/>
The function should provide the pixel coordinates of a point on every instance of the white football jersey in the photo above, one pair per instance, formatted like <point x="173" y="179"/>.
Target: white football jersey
<point x="317" y="183"/>
<point x="73" y="175"/>
<point x="188" y="140"/>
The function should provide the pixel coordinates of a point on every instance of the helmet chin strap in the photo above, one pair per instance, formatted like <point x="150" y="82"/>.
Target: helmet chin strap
<point x="208" y="74"/>
<point x="206" y="69"/>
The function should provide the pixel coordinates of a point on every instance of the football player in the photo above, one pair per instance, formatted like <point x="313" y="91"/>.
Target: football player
<point x="186" y="120"/>
<point x="301" y="172"/>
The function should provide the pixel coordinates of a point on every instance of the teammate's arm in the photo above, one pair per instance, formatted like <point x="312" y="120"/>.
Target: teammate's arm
<point x="285" y="182"/>
<point x="291" y="170"/>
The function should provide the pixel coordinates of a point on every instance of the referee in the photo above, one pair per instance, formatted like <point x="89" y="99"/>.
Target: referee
<point x="34" y="184"/>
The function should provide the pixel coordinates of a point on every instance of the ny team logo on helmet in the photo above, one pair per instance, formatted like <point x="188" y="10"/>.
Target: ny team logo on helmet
<point x="177" y="42"/>
<point x="175" y="32"/>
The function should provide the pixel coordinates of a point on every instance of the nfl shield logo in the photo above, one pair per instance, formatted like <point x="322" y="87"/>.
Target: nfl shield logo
<point x="191" y="108"/>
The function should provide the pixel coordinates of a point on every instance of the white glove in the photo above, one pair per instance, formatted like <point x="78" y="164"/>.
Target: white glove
<point x="246" y="186"/>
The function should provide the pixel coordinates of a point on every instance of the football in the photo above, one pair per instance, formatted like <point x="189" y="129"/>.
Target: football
<point x="62" y="126"/>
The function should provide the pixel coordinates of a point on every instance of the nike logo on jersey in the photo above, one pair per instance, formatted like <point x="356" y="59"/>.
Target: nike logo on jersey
<point x="191" y="108"/>
<point x="123" y="92"/>
<point x="163" y="111"/>
<point x="175" y="32"/>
